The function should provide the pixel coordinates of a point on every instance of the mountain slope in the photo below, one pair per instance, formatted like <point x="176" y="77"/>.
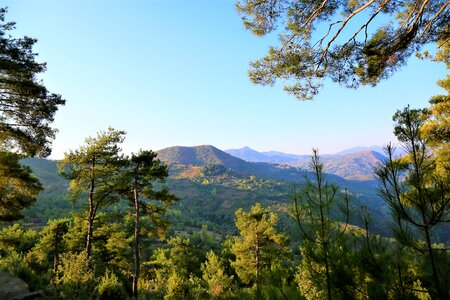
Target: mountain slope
<point x="354" y="166"/>
<point x="247" y="154"/>
<point x="359" y="149"/>
<point x="274" y="157"/>
<point x="202" y="156"/>
<point x="349" y="164"/>
<point x="209" y="191"/>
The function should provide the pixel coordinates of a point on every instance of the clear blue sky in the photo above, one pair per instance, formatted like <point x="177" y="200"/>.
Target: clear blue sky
<point x="175" y="73"/>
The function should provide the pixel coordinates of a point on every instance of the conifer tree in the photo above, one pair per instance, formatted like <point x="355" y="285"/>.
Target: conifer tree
<point x="418" y="196"/>
<point x="258" y="248"/>
<point x="315" y="210"/>
<point x="350" y="42"/>
<point x="218" y="282"/>
<point x="27" y="108"/>
<point x="50" y="245"/>
<point x="18" y="187"/>
<point x="94" y="171"/>
<point x="143" y="170"/>
<point x="436" y="128"/>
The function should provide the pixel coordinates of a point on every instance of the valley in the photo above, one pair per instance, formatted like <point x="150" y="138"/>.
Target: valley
<point x="212" y="185"/>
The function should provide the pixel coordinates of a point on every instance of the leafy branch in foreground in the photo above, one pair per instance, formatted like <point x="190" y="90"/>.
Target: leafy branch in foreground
<point x="351" y="42"/>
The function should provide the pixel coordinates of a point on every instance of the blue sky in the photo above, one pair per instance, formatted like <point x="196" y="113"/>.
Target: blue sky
<point x="175" y="73"/>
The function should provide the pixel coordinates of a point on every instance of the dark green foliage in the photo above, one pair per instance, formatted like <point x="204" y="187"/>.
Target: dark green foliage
<point x="351" y="42"/>
<point x="26" y="106"/>
<point x="18" y="187"/>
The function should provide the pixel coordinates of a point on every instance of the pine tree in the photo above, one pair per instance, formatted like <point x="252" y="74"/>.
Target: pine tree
<point x="418" y="196"/>
<point x="94" y="171"/>
<point x="315" y="210"/>
<point x="18" y="187"/>
<point x="26" y="106"/>
<point x="258" y="248"/>
<point x="350" y="42"/>
<point x="143" y="170"/>
<point x="218" y="282"/>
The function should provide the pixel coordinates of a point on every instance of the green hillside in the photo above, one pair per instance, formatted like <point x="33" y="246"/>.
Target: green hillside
<point x="212" y="185"/>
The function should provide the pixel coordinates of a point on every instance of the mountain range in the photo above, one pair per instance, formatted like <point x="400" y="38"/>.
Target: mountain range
<point x="213" y="184"/>
<point x="353" y="164"/>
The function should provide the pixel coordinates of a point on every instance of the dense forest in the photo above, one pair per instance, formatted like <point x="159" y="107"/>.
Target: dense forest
<point x="198" y="223"/>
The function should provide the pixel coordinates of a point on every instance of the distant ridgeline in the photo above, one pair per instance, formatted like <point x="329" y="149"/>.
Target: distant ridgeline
<point x="213" y="184"/>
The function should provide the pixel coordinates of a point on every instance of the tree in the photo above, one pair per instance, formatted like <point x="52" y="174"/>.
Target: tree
<point x="94" y="171"/>
<point x="50" y="245"/>
<point x="315" y="211"/>
<point x="143" y="170"/>
<point x="351" y="42"/>
<point x="218" y="282"/>
<point x="418" y="195"/>
<point x="259" y="247"/>
<point x="18" y="187"/>
<point x="26" y="106"/>
<point x="436" y="128"/>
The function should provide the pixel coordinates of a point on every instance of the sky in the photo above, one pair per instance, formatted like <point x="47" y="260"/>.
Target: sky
<point x="175" y="73"/>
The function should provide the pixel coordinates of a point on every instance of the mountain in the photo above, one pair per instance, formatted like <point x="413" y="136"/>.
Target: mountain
<point x="53" y="201"/>
<point x="202" y="156"/>
<point x="211" y="186"/>
<point x="353" y="166"/>
<point x="273" y="157"/>
<point x="398" y="151"/>
<point x="248" y="154"/>
<point x="359" y="149"/>
<point x="349" y="164"/>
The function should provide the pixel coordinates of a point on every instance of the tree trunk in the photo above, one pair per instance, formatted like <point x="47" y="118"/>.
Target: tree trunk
<point x="91" y="217"/>
<point x="433" y="265"/>
<point x="327" y="269"/>
<point x="137" y="262"/>
<point x="258" y="266"/>
<point x="90" y="232"/>
<point x="56" y="249"/>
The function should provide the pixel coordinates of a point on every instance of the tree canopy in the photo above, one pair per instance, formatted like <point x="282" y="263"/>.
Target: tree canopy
<point x="94" y="170"/>
<point x="18" y="187"/>
<point x="417" y="194"/>
<point x="27" y="108"/>
<point x="351" y="42"/>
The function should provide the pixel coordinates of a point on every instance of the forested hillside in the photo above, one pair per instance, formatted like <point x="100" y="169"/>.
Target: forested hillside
<point x="212" y="186"/>
<point x="108" y="221"/>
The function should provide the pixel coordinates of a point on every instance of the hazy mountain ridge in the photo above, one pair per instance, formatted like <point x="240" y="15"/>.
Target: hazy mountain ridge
<point x="211" y="185"/>
<point x="374" y="148"/>
<point x="276" y="157"/>
<point x="351" y="164"/>
<point x="207" y="155"/>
